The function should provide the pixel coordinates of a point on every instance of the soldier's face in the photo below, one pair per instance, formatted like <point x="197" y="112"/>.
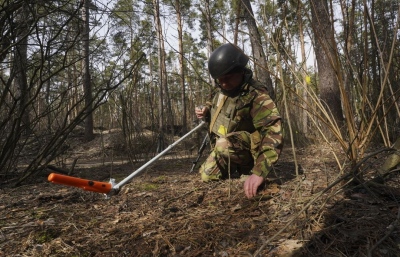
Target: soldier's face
<point x="230" y="81"/>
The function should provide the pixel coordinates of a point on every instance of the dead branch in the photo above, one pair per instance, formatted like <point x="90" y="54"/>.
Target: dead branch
<point x="346" y="177"/>
<point x="391" y="228"/>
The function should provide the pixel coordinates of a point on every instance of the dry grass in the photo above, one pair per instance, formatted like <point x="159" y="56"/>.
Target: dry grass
<point x="167" y="211"/>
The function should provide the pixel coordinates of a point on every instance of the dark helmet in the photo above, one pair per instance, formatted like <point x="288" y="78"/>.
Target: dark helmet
<point x="226" y="58"/>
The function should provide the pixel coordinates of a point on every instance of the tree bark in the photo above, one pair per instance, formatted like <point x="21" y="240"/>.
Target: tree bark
<point x="181" y="63"/>
<point x="87" y="86"/>
<point x="304" y="114"/>
<point x="260" y="60"/>
<point x="326" y="59"/>
<point x="20" y="68"/>
<point x="210" y="46"/>
<point x="163" y="79"/>
<point x="160" y="61"/>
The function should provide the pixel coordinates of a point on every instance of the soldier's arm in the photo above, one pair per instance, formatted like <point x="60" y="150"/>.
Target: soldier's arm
<point x="267" y="121"/>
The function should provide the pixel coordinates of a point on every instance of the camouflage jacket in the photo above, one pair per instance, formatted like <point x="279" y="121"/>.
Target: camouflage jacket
<point x="252" y="110"/>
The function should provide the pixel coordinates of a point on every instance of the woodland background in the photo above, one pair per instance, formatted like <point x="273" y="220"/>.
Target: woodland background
<point x="95" y="89"/>
<point x="331" y="66"/>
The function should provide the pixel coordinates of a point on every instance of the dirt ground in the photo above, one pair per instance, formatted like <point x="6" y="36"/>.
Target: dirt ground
<point x="168" y="211"/>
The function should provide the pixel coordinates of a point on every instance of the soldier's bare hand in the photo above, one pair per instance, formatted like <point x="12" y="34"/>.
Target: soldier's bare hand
<point x="201" y="112"/>
<point x="251" y="185"/>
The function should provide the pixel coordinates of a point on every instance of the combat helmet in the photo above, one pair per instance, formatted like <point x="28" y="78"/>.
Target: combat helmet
<point x="226" y="58"/>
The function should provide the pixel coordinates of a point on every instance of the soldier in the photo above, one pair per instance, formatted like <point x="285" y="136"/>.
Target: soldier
<point x="244" y="122"/>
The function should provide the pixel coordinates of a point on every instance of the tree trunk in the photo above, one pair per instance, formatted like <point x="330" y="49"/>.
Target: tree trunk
<point x="304" y="114"/>
<point x="87" y="86"/>
<point x="20" y="68"/>
<point x="238" y="12"/>
<point x="163" y="79"/>
<point x="181" y="63"/>
<point x="160" y="61"/>
<point x="150" y="91"/>
<point x="261" y="67"/>
<point x="210" y="47"/>
<point x="326" y="59"/>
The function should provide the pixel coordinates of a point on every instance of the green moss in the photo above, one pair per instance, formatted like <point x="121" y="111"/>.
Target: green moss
<point x="44" y="236"/>
<point x="160" y="179"/>
<point x="148" y="187"/>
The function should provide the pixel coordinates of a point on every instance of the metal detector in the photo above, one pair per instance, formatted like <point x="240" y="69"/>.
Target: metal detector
<point x="111" y="188"/>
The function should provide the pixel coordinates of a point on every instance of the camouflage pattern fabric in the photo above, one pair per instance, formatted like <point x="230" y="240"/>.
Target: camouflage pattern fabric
<point x="259" y="147"/>
<point x="231" y="153"/>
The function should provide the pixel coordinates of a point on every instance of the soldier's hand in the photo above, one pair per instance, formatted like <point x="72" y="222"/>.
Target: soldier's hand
<point x="251" y="185"/>
<point x="201" y="112"/>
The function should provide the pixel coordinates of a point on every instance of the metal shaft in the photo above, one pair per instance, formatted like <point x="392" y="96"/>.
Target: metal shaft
<point x="127" y="179"/>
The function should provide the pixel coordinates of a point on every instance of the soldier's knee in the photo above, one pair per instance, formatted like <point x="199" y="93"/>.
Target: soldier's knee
<point x="210" y="177"/>
<point x="209" y="169"/>
<point x="221" y="148"/>
<point x="221" y="143"/>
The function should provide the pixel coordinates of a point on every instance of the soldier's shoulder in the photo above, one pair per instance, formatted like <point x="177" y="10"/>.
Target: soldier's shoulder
<point x="258" y="86"/>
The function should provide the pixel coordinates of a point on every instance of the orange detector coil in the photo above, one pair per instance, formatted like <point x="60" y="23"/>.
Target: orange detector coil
<point x="88" y="185"/>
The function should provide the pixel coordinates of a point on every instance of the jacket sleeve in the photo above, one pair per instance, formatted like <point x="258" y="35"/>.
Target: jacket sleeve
<point x="267" y="122"/>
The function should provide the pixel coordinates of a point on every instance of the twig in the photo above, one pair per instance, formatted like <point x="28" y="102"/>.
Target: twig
<point x="71" y="171"/>
<point x="257" y="253"/>
<point x="57" y="169"/>
<point x="352" y="172"/>
<point x="391" y="227"/>
<point x="178" y="197"/>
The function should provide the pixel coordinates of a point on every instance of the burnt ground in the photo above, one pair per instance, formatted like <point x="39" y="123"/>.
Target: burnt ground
<point x="167" y="211"/>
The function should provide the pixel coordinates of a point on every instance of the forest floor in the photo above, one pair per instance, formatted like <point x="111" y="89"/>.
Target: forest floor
<point x="168" y="211"/>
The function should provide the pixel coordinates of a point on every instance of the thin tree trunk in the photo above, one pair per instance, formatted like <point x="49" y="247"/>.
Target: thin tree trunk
<point x="160" y="61"/>
<point x="304" y="69"/>
<point x="210" y="46"/>
<point x="20" y="68"/>
<point x="181" y="64"/>
<point x="325" y="55"/>
<point x="237" y="22"/>
<point x="331" y="85"/>
<point x="162" y="78"/>
<point x="87" y="86"/>
<point x="261" y="67"/>
<point x="150" y="91"/>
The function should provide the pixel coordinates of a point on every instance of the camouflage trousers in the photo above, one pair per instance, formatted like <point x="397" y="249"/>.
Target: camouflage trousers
<point x="231" y="153"/>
